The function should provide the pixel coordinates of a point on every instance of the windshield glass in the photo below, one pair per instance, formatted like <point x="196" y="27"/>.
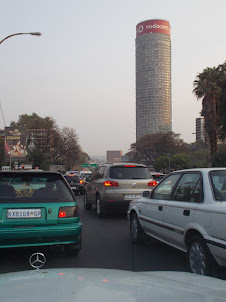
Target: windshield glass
<point x="121" y="172"/>
<point x="100" y="94"/>
<point x="218" y="180"/>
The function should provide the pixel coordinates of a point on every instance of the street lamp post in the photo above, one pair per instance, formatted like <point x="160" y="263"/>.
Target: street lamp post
<point x="18" y="34"/>
<point x="13" y="35"/>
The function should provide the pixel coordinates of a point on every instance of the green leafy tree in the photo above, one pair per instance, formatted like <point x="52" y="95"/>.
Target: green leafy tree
<point x="55" y="146"/>
<point x="199" y="158"/>
<point x="198" y="145"/>
<point x="180" y="161"/>
<point x="34" y="121"/>
<point x="38" y="159"/>
<point x="219" y="158"/>
<point x="175" y="162"/>
<point x="162" y="163"/>
<point x="151" y="146"/>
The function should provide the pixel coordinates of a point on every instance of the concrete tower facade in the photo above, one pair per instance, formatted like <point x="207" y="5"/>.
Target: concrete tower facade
<point x="200" y="129"/>
<point x="153" y="77"/>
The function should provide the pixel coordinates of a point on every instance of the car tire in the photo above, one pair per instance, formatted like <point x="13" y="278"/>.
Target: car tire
<point x="87" y="205"/>
<point x="200" y="259"/>
<point x="136" y="232"/>
<point x="100" y="211"/>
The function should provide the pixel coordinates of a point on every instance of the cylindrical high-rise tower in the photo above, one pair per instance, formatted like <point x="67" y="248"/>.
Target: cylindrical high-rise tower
<point x="153" y="77"/>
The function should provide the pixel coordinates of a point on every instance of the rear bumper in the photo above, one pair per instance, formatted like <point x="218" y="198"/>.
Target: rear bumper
<point x="121" y="204"/>
<point x="40" y="235"/>
<point x="119" y="199"/>
<point x="77" y="189"/>
<point x="121" y="196"/>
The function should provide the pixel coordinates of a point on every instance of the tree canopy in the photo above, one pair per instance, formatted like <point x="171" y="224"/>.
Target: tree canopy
<point x="55" y="146"/>
<point x="151" y="146"/>
<point x="34" y="121"/>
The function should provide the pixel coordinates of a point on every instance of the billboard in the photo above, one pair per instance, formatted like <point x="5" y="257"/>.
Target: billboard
<point x="153" y="26"/>
<point x="15" y="144"/>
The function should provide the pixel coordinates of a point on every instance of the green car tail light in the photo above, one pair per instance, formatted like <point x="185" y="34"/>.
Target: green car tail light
<point x="67" y="212"/>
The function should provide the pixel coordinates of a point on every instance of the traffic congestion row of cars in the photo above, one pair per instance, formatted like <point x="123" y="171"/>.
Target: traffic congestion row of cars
<point x="185" y="209"/>
<point x="77" y="180"/>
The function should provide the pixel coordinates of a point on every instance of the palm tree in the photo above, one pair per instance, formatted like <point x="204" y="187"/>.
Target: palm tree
<point x="208" y="86"/>
<point x="222" y="122"/>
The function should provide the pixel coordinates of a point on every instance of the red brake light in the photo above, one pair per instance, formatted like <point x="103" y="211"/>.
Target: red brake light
<point x="81" y="181"/>
<point x="66" y="212"/>
<point x="152" y="183"/>
<point x="130" y="166"/>
<point x="111" y="184"/>
<point x="62" y="214"/>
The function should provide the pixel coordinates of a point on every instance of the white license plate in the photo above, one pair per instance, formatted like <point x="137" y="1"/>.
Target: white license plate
<point x="132" y="196"/>
<point x="73" y="188"/>
<point x="24" y="213"/>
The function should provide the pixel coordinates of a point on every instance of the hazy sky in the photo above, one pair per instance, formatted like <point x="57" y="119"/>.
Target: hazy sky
<point x="81" y="71"/>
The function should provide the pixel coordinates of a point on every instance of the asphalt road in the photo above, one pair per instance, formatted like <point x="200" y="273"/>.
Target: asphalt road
<point x="106" y="244"/>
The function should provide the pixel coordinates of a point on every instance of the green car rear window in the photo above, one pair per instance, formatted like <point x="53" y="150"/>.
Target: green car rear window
<point x="30" y="187"/>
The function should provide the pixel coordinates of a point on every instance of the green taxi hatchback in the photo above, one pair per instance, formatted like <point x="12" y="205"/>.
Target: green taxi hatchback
<point x="38" y="209"/>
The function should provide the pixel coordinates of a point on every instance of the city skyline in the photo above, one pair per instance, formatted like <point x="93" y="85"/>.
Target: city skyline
<point x="81" y="71"/>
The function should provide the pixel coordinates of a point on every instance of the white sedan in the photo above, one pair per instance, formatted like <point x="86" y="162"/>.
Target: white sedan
<point x="187" y="210"/>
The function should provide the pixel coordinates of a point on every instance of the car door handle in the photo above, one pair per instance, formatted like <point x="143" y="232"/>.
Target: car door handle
<point x="160" y="208"/>
<point x="186" y="212"/>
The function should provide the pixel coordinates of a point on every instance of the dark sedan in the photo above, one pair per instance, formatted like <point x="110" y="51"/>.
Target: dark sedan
<point x="76" y="183"/>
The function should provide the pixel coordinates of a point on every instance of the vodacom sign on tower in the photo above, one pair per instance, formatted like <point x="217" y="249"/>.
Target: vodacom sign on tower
<point x="153" y="26"/>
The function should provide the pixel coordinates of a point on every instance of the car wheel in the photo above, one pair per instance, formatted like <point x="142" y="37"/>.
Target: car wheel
<point x="199" y="256"/>
<point x="136" y="232"/>
<point x="87" y="205"/>
<point x="99" y="207"/>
